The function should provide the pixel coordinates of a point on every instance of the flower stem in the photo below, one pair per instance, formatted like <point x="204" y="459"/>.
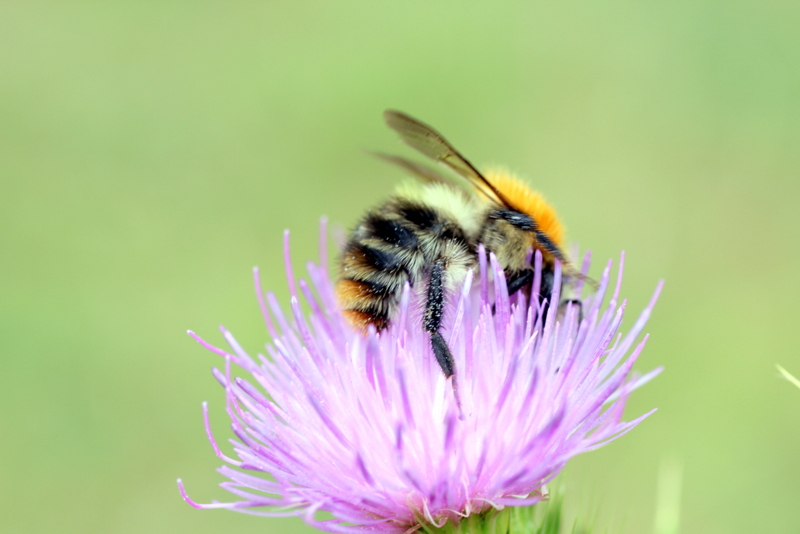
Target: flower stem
<point x="542" y="518"/>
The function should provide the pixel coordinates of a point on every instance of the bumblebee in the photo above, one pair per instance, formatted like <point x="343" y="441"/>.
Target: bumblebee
<point x="427" y="235"/>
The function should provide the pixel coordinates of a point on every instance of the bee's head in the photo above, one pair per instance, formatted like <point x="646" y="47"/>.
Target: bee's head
<point x="522" y="199"/>
<point x="525" y="221"/>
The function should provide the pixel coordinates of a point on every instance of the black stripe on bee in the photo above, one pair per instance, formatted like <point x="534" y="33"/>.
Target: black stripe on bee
<point x="392" y="231"/>
<point x="379" y="289"/>
<point x="424" y="218"/>
<point x="381" y="260"/>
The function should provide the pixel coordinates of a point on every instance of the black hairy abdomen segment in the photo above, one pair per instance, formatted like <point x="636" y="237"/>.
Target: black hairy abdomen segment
<point x="397" y="243"/>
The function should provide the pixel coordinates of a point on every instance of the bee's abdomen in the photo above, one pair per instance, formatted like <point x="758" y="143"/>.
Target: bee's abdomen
<point x="395" y="244"/>
<point x="373" y="274"/>
<point x="363" y="305"/>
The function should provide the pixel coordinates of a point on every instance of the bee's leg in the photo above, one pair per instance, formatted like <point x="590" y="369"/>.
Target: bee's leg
<point x="545" y="291"/>
<point x="434" y="313"/>
<point x="518" y="280"/>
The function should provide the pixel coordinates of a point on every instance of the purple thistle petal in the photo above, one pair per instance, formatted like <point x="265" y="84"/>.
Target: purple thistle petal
<point x="366" y="428"/>
<point x="262" y="303"/>
<point x="213" y="442"/>
<point x="484" y="271"/>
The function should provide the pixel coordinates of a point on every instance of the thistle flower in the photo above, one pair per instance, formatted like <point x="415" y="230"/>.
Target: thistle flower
<point x="366" y="427"/>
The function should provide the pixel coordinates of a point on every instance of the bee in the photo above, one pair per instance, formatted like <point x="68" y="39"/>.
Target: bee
<point x="427" y="235"/>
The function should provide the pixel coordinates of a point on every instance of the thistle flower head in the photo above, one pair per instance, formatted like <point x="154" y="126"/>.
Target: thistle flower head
<point x="367" y="428"/>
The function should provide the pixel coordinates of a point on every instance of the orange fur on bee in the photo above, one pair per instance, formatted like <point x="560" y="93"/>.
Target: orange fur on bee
<point x="352" y="292"/>
<point x="362" y="320"/>
<point x="526" y="200"/>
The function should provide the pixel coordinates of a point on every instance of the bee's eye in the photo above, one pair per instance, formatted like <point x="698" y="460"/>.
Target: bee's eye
<point x="515" y="218"/>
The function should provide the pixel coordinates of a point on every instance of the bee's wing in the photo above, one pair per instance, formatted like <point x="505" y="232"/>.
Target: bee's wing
<point x="425" y="139"/>
<point x="423" y="172"/>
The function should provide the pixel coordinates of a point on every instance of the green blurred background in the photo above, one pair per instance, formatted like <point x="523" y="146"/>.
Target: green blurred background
<point x="152" y="152"/>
